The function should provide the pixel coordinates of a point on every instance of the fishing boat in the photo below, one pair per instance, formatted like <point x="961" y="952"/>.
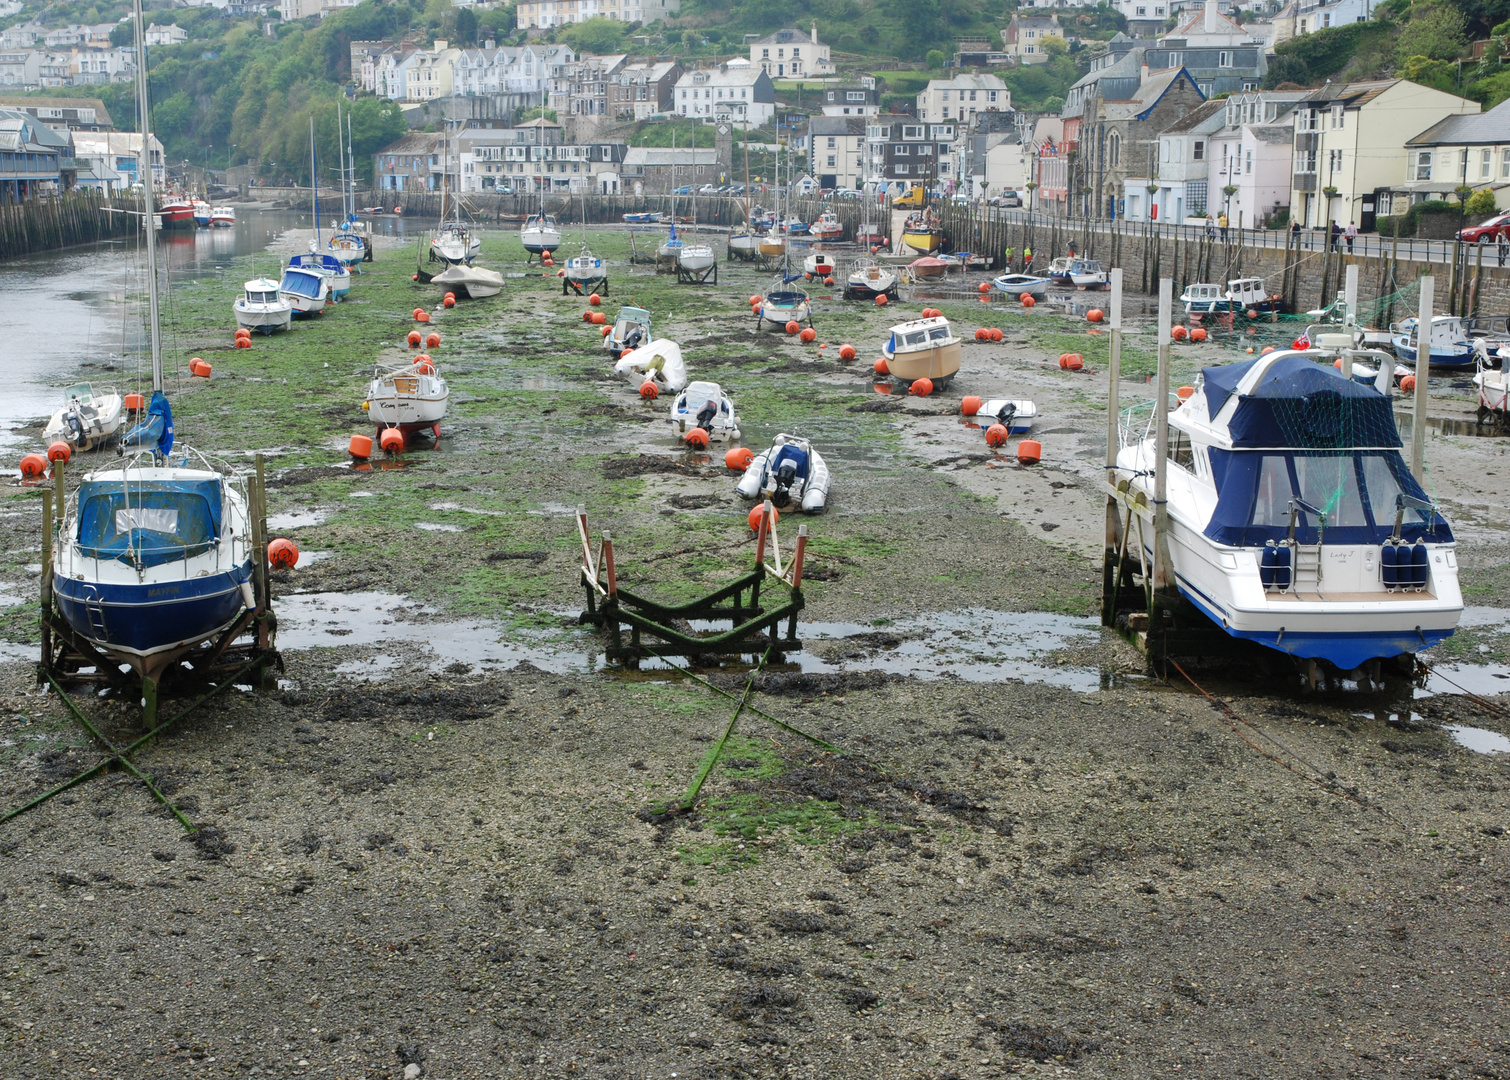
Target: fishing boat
<point x="305" y="291"/>
<point x="1016" y="416"/>
<point x="795" y="226"/>
<point x="1294" y="521"/>
<point x="704" y="405"/>
<point x="929" y="266"/>
<point x="1017" y="284"/>
<point x="922" y="233"/>
<point x="923" y="349"/>
<point x="336" y="276"/>
<point x="868" y="279"/>
<point x="1450" y="345"/>
<point x="469" y="282"/>
<point x="223" y="217"/>
<point x="202" y="213"/>
<point x="153" y="556"/>
<point x="643" y="217"/>
<point x="262" y="307"/>
<point x="1492" y="381"/>
<point x="176" y="212"/>
<point x="827" y="227"/>
<point x="87" y="420"/>
<point x="1240" y="295"/>
<point x="659" y="362"/>
<point x="781" y="305"/>
<point x="1088" y="274"/>
<point x="407" y="395"/>
<point x="791" y="474"/>
<point x="630" y="330"/>
<point x="819" y="264"/>
<point x="1059" y="270"/>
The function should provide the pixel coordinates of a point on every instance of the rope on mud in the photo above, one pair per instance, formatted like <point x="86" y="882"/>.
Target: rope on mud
<point x="690" y="799"/>
<point x="1324" y="780"/>
<point x="782" y="724"/>
<point x="1484" y="703"/>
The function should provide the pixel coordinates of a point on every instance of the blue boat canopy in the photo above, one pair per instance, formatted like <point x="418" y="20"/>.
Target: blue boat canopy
<point x="154" y="430"/>
<point x="306" y="283"/>
<point x="1301" y="405"/>
<point x="148" y="522"/>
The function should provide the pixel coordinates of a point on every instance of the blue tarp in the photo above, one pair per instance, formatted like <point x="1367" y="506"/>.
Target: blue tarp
<point x="155" y="429"/>
<point x="155" y="521"/>
<point x="1300" y="404"/>
<point x="306" y="283"/>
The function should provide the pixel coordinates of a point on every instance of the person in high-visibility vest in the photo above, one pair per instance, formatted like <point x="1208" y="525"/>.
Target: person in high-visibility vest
<point x="1027" y="260"/>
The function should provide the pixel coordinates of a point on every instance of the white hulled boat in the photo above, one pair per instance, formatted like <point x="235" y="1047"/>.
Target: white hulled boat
<point x="223" y="217"/>
<point x="705" y="405"/>
<point x="262" y="307"/>
<point x="868" y="279"/>
<point x="827" y="227"/>
<point x="1088" y="274"/>
<point x="790" y="473"/>
<point x="1450" y="344"/>
<point x="87" y="420"/>
<point x="1017" y="284"/>
<point x="659" y="362"/>
<point x="923" y="349"/>
<point x="630" y="330"/>
<point x="469" y="282"/>
<point x="409" y="395"/>
<point x="1016" y="416"/>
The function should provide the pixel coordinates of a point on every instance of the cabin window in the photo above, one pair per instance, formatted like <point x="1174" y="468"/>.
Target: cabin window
<point x="918" y="338"/>
<point x="939" y="333"/>
<point x="155" y="519"/>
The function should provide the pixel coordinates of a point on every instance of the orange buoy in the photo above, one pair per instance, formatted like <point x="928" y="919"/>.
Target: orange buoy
<point x="424" y="316"/>
<point x="1267" y="350"/>
<point x="33" y="465"/>
<point x="1028" y="301"/>
<point x="59" y="451"/>
<point x="649" y="391"/>
<point x="1184" y="393"/>
<point x="997" y="435"/>
<point x="449" y="301"/>
<point x="606" y="331"/>
<point x="242" y="331"/>
<point x="1250" y="350"/>
<point x="392" y="440"/>
<point x="996" y="334"/>
<point x="1179" y="333"/>
<point x="828" y="281"/>
<point x="200" y="368"/>
<point x="548" y="261"/>
<point x="1198" y="334"/>
<point x="1029" y="451"/>
<point x="283" y="554"/>
<point x="1252" y="313"/>
<point x="697" y="438"/>
<point x="418" y="312"/>
<point x="423" y="365"/>
<point x="980" y="333"/>
<point x="874" y="249"/>
<point x="241" y="343"/>
<point x="413" y="277"/>
<point x="1408" y="384"/>
<point x="559" y="273"/>
<point x="756" y="511"/>
<point x="415" y="337"/>
<point x="881" y="300"/>
<point x="450" y="295"/>
<point x="432" y="340"/>
<point x="359" y="447"/>
<point x="134" y="402"/>
<point x="1095" y="314"/>
<point x="984" y="286"/>
<point x="969" y="406"/>
<point x="599" y="318"/>
<point x="739" y="457"/>
<point x="594" y="299"/>
<point x="1337" y="363"/>
<point x="808" y="335"/>
<point x="754" y="301"/>
<point x="1072" y="361"/>
<point x="587" y="316"/>
<point x="921" y="387"/>
<point x="846" y="352"/>
<point x="882" y="367"/>
<point x="792" y="326"/>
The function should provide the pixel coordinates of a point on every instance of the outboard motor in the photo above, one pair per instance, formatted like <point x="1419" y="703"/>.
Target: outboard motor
<point x="706" y="414"/>
<point x="785" y="476"/>
<point x="1004" y="417"/>
<point x="634" y="338"/>
<point x="75" y="425"/>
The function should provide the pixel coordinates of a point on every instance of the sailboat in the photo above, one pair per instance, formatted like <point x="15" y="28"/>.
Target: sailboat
<point x="337" y="278"/>
<point x="773" y="243"/>
<point x="672" y="247"/>
<point x="585" y="269"/>
<point x="697" y="257"/>
<point x="451" y="244"/>
<point x="408" y="395"/>
<point x="868" y="278"/>
<point x="540" y="234"/>
<point x="347" y="244"/>
<point x="153" y="556"/>
<point x="744" y="244"/>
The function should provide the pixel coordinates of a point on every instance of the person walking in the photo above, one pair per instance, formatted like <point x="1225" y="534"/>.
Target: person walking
<point x="1295" y="231"/>
<point x="1351" y="232"/>
<point x="1504" y="247"/>
<point x="1027" y="260"/>
<point x="1222" y="223"/>
<point x="1336" y="234"/>
<point x="1210" y="229"/>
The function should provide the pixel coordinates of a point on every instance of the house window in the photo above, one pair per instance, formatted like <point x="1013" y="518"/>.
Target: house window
<point x="946" y="112"/>
<point x="1333" y="160"/>
<point x="1249" y="85"/>
<point x="925" y="150"/>
<point x="902" y="168"/>
<point x="831" y="161"/>
<point x="1142" y="11"/>
<point x="1249" y="164"/>
<point x="1114" y="149"/>
<point x="1505" y="163"/>
<point x="1224" y="59"/>
<point x="946" y="96"/>
<point x="1484" y="169"/>
<point x="832" y="142"/>
<point x="854" y="95"/>
<point x="990" y="95"/>
<point x="912" y="131"/>
<point x="1030" y="49"/>
<point x="1326" y="20"/>
<point x="902" y="151"/>
<point x="1200" y="150"/>
<point x="1423" y="165"/>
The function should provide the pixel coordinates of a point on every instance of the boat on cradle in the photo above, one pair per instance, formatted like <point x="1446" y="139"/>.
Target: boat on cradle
<point x="1014" y="415"/>
<point x="1450" y="346"/>
<point x="929" y="267"/>
<point x="1293" y="519"/>
<point x="306" y="291"/>
<point x="1088" y="274"/>
<point x="586" y="269"/>
<point x="771" y="244"/>
<point x="790" y="473"/>
<point x="328" y="267"/>
<point x="176" y="213"/>
<point x="827" y="227"/>
<point x="795" y="226"/>
<point x="1017" y="284"/>
<point x="659" y="362"/>
<point x="923" y="349"/>
<point x="203" y="215"/>
<point x="454" y="243"/>
<point x="1492" y="381"/>
<point x="922" y="233"/>
<point x="697" y="258"/>
<point x="781" y="305"/>
<point x="705" y="405"/>
<point x="744" y="246"/>
<point x="347" y="246"/>
<point x="819" y="264"/>
<point x="1241" y="295"/>
<point x="261" y="307"/>
<point x="643" y="217"/>
<point x="409" y="396"/>
<point x="223" y="217"/>
<point x="868" y="279"/>
<point x="671" y="247"/>
<point x="87" y="420"/>
<point x="540" y="234"/>
<point x="469" y="282"/>
<point x="630" y="330"/>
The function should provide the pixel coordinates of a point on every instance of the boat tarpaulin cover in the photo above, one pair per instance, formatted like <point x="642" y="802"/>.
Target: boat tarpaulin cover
<point x="156" y="428"/>
<point x="796" y="455"/>
<point x="1300" y="404"/>
<point x="148" y="522"/>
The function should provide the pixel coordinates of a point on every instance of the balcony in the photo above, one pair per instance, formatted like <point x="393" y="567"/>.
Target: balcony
<point x="1303" y="182"/>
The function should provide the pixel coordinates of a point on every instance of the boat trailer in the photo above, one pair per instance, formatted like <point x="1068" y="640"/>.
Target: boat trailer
<point x="740" y="624"/>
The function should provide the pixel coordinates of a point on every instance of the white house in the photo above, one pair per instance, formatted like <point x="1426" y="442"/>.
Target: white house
<point x="543" y="14"/>
<point x="736" y="91"/>
<point x="114" y="157"/>
<point x="20" y="68"/>
<point x="165" y="35"/>
<point x="962" y="97"/>
<point x="1251" y="153"/>
<point x="791" y="54"/>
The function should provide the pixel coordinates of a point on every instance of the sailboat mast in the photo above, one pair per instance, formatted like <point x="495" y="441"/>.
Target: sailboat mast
<point x="749" y="226"/>
<point x="314" y="181"/>
<point x="145" y="168"/>
<point x="351" y="173"/>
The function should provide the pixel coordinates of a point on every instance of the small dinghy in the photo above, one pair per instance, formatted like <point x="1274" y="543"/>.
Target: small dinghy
<point x="630" y="330"/>
<point x="659" y="362"/>
<point x="471" y="282"/>
<point x="1017" y="284"/>
<point x="819" y="264"/>
<point x="262" y="308"/>
<point x="705" y="405"/>
<point x="868" y="279"/>
<point x="86" y="420"/>
<point x="929" y="266"/>
<point x="1016" y="416"/>
<point x="643" y="217"/>
<point x="781" y="305"/>
<point x="923" y="349"/>
<point x="790" y="473"/>
<point x="586" y="270"/>
<point x="408" y="396"/>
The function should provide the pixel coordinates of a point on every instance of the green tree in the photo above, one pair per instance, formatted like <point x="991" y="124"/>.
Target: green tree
<point x="466" y="26"/>
<point x="1481" y="204"/>
<point x="1438" y="74"/>
<point x="597" y="35"/>
<point x="1055" y="45"/>
<point x="935" y="59"/>
<point x="1437" y="31"/>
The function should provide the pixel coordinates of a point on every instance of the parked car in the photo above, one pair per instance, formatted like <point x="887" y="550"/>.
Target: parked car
<point x="685" y="189"/>
<point x="1008" y="198"/>
<point x="708" y="189"/>
<point x="846" y="193"/>
<point x="736" y="189"/>
<point x="1487" y="232"/>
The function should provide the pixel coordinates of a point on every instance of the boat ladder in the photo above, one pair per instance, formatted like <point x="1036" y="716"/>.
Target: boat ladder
<point x="1306" y="558"/>
<point x="95" y="608"/>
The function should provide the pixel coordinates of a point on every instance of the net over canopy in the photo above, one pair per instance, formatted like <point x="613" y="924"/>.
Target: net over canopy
<point x="149" y="522"/>
<point x="1300" y="404"/>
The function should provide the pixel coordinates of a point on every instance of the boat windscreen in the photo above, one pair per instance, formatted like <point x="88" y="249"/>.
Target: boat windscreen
<point x="151" y="523"/>
<point x="83" y="392"/>
<point x="938" y="333"/>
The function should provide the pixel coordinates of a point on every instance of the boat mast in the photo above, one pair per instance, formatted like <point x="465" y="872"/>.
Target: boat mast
<point x="351" y="173"/>
<point x="145" y="167"/>
<point x="314" y="182"/>
<point x="749" y="228"/>
<point x="340" y="160"/>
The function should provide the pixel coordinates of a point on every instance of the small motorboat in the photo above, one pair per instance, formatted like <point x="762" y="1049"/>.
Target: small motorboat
<point x="827" y="227"/>
<point x="1492" y="381"/>
<point x="408" y="395"/>
<point x="1059" y="271"/>
<point x="1017" y="284"/>
<point x="586" y="269"/>
<point x="1241" y="295"/>
<point x="203" y="215"/>
<point x="705" y="405"/>
<point x="375" y="210"/>
<point x="744" y="246"/>
<point x="86" y="420"/>
<point x="923" y="349"/>
<point x="791" y="474"/>
<point x="454" y="243"/>
<point x="1450" y="345"/>
<point x="643" y="217"/>
<point x="223" y="217"/>
<point x="819" y="264"/>
<point x="328" y="267"/>
<point x="659" y="362"/>
<point x="868" y="279"/>
<point x="871" y="237"/>
<point x="929" y="266"/>
<point x="1088" y="274"/>
<point x="261" y="307"/>
<point x="539" y="234"/>
<point x="630" y="330"/>
<point x="176" y="212"/>
<point x="922" y="233"/>
<point x="1016" y="416"/>
<point x="697" y="258"/>
<point x="469" y="282"/>
<point x="781" y="305"/>
<point x="795" y="226"/>
<point x="1203" y="299"/>
<point x="306" y="291"/>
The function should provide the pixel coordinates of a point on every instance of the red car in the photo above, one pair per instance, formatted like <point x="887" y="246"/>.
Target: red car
<point x="1488" y="232"/>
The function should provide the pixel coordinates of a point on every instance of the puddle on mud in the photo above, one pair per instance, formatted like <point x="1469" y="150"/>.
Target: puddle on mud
<point x="1478" y="740"/>
<point x="460" y="509"/>
<point x="432" y="526"/>
<point x="298" y="519"/>
<point x="1484" y="680"/>
<point x="1448" y="425"/>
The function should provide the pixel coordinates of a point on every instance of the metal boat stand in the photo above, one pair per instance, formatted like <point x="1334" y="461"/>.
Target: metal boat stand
<point x="245" y="652"/>
<point x="741" y="624"/>
<point x="598" y="285"/>
<point x="697" y="277"/>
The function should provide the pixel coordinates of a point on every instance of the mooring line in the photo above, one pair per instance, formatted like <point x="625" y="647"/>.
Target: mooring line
<point x="750" y="708"/>
<point x="1431" y="669"/>
<point x="1327" y="783"/>
<point x="690" y="799"/>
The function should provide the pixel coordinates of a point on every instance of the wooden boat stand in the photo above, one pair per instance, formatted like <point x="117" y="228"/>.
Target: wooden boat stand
<point x="245" y="652"/>
<point x="695" y="277"/>
<point x="600" y="286"/>
<point x="657" y="629"/>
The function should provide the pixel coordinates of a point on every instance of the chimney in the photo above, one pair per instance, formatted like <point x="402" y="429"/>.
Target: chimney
<point x="1145" y="71"/>
<point x="1210" y="23"/>
<point x="815" y="31"/>
<point x="490" y="44"/>
<point x="441" y="44"/>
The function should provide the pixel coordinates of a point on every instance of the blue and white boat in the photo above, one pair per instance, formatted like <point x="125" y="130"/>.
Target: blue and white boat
<point x="153" y="557"/>
<point x="1450" y="344"/>
<point x="347" y="246"/>
<point x="643" y="217"/>
<point x="336" y="276"/>
<point x="671" y="247"/>
<point x="1017" y="284"/>
<point x="1016" y="416"/>
<point x="306" y="291"/>
<point x="1293" y="519"/>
